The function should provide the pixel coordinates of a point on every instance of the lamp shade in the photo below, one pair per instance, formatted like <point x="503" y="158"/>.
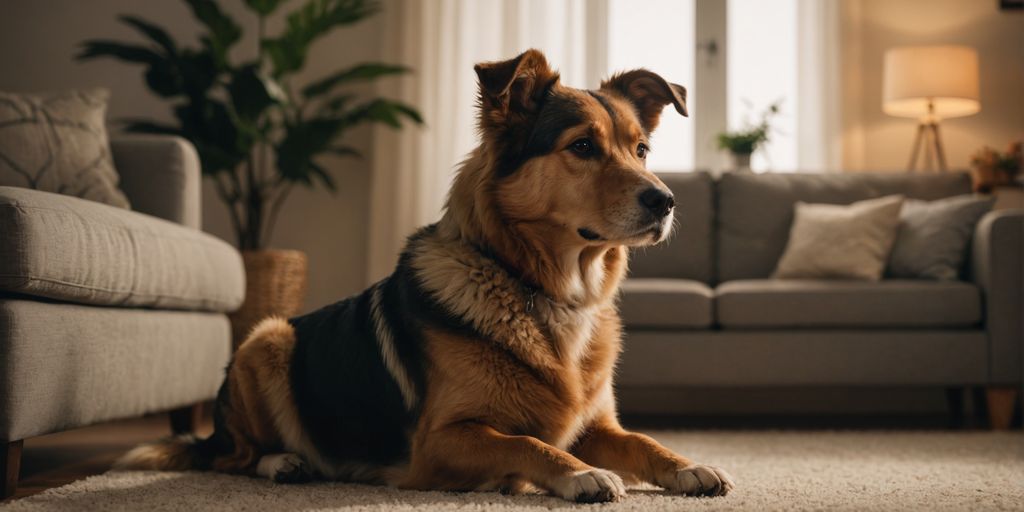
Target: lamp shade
<point x="945" y="76"/>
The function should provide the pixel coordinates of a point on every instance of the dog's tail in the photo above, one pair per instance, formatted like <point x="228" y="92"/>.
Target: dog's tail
<point x="172" y="454"/>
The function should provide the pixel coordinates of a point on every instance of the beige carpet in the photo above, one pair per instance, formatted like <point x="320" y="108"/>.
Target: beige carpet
<point x="773" y="471"/>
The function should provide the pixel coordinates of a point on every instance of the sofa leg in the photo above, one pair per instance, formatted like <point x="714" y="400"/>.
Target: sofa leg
<point x="1000" y="401"/>
<point x="10" y="456"/>
<point x="955" y="405"/>
<point x="186" y="420"/>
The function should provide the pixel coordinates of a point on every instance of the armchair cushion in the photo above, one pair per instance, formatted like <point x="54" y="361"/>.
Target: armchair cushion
<point x="74" y="250"/>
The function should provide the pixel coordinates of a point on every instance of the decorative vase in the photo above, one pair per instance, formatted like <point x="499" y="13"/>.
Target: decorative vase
<point x="275" y="286"/>
<point x="741" y="162"/>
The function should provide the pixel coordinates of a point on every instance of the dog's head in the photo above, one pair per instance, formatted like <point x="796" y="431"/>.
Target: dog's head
<point x="569" y="162"/>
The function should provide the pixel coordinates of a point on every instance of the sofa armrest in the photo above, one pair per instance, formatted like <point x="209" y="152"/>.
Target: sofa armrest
<point x="160" y="174"/>
<point x="997" y="266"/>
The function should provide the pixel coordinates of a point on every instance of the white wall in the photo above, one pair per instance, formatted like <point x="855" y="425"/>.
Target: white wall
<point x="38" y="39"/>
<point x="876" y="141"/>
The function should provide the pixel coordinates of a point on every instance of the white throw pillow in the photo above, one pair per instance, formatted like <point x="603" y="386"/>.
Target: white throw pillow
<point x="841" y="241"/>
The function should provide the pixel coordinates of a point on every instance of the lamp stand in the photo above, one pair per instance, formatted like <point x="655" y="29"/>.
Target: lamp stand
<point x="928" y="141"/>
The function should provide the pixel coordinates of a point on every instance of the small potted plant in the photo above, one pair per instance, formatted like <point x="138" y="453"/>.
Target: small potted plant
<point x="991" y="169"/>
<point x="257" y="133"/>
<point x="742" y="143"/>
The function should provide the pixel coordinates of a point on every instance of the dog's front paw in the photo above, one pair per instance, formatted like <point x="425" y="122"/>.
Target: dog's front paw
<point x="285" y="468"/>
<point x="590" y="486"/>
<point x="700" y="480"/>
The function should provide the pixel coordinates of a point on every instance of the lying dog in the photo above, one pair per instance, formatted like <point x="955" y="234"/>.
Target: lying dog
<point x="485" y="361"/>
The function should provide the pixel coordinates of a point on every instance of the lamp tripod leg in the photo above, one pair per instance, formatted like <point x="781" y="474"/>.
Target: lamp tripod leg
<point x="917" y="148"/>
<point x="941" y="155"/>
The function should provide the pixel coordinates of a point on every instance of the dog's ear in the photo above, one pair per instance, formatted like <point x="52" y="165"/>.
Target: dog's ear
<point x="514" y="85"/>
<point x="649" y="93"/>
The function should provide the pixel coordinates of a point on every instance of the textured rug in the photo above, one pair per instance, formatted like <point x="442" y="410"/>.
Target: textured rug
<point x="773" y="471"/>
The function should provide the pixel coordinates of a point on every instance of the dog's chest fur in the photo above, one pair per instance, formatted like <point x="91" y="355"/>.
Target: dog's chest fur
<point x="543" y="364"/>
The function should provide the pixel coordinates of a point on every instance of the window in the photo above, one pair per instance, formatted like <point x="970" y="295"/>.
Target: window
<point x="763" y="66"/>
<point x="762" y="69"/>
<point x="658" y="35"/>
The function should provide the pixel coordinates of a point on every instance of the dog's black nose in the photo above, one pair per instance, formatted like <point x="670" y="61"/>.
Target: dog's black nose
<point x="658" y="201"/>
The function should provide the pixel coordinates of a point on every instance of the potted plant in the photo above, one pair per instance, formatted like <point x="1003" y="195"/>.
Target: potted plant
<point x="742" y="143"/>
<point x="257" y="133"/>
<point x="991" y="169"/>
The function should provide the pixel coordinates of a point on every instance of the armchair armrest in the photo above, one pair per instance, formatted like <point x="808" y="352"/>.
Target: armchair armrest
<point x="997" y="266"/>
<point x="160" y="174"/>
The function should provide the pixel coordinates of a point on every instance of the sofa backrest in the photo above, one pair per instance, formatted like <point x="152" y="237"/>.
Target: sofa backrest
<point x="689" y="252"/>
<point x="755" y="211"/>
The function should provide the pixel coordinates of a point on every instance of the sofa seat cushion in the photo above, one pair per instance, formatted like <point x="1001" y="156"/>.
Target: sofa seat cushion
<point x="666" y="303"/>
<point x="74" y="250"/>
<point x="851" y="304"/>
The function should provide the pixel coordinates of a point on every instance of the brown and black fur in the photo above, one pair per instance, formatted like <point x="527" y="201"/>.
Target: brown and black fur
<point x="486" y="360"/>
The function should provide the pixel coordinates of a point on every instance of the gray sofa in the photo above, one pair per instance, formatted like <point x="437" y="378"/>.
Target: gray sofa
<point x="702" y="312"/>
<point x="107" y="313"/>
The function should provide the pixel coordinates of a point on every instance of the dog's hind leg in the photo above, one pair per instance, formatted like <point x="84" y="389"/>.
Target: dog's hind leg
<point x="257" y="389"/>
<point x="284" y="468"/>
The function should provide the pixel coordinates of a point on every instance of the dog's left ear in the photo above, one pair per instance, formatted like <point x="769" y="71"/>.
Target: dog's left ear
<point x="516" y="84"/>
<point x="649" y="92"/>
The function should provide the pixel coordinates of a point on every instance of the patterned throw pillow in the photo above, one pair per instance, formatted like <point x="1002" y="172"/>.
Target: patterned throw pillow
<point x="58" y="143"/>
<point x="841" y="241"/>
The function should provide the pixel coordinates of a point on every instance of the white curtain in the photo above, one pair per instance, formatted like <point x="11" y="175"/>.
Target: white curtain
<point x="819" y="106"/>
<point x="441" y="40"/>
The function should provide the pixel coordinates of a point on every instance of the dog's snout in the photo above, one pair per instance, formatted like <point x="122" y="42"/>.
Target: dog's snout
<point x="657" y="201"/>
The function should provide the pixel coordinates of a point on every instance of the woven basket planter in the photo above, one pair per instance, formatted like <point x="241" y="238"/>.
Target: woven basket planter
<point x="275" y="286"/>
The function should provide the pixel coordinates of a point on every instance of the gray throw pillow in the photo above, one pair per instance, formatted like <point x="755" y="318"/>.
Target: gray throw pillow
<point x="58" y="143"/>
<point x="933" y="236"/>
<point x="830" y="241"/>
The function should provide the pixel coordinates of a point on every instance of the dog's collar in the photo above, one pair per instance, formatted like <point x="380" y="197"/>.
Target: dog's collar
<point x="530" y="290"/>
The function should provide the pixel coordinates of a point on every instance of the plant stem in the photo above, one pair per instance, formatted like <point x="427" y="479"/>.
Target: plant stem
<point x="254" y="207"/>
<point x="230" y="200"/>
<point x="275" y="208"/>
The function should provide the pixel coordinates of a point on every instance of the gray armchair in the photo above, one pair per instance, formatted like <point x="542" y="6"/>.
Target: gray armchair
<point x="107" y="313"/>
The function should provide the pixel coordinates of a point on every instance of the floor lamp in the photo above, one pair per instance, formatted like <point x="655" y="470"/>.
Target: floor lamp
<point x="930" y="83"/>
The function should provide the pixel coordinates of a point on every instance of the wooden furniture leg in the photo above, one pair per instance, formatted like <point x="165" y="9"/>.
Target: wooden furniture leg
<point x="955" y="404"/>
<point x="1000" y="406"/>
<point x="186" y="419"/>
<point x="10" y="457"/>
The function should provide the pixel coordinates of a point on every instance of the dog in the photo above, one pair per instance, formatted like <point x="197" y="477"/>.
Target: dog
<point x="485" y="361"/>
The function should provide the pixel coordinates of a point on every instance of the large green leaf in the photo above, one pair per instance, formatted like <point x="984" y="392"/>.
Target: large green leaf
<point x="384" y="111"/>
<point x="224" y="32"/>
<point x="252" y="92"/>
<point x="127" y="52"/>
<point x="198" y="72"/>
<point x="162" y="74"/>
<point x="146" y="126"/>
<point x="314" y="19"/>
<point x="364" y="71"/>
<point x="301" y="143"/>
<point x="325" y="177"/>
<point x="208" y="124"/>
<point x="264" y="7"/>
<point x="157" y="34"/>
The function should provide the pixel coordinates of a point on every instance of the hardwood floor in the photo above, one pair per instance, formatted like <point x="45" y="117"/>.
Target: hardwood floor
<point x="58" y="459"/>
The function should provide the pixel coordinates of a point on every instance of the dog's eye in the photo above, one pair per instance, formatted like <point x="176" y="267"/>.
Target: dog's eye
<point x="641" y="150"/>
<point x="582" y="147"/>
